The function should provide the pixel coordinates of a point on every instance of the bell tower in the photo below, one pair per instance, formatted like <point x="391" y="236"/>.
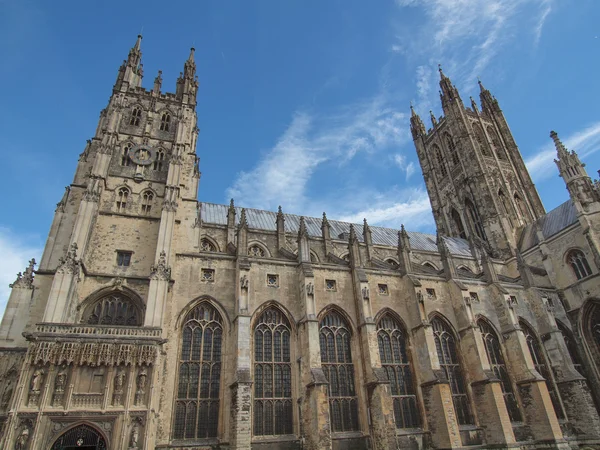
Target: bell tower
<point x="476" y="179"/>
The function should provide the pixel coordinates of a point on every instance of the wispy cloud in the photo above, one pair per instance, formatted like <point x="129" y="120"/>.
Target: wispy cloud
<point x="16" y="251"/>
<point x="408" y="167"/>
<point x="585" y="142"/>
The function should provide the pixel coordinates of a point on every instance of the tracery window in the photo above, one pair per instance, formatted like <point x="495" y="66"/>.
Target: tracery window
<point x="521" y="205"/>
<point x="498" y="150"/>
<point x="272" y="375"/>
<point x="452" y="149"/>
<point x="147" y="198"/>
<point x="113" y="309"/>
<point x="136" y="115"/>
<point x="579" y="264"/>
<point x="440" y="160"/>
<point x="256" y="251"/>
<point x="122" y="196"/>
<point x="336" y="361"/>
<point x="505" y="206"/>
<point x="395" y="361"/>
<point x="392" y="263"/>
<point x="207" y="246"/>
<point x="541" y="365"/>
<point x="498" y="366"/>
<point x="125" y="161"/>
<point x="446" y="349"/>
<point x="165" y="122"/>
<point x="197" y="400"/>
<point x="458" y="223"/>
<point x="480" y="138"/>
<point x="158" y="161"/>
<point x="474" y="214"/>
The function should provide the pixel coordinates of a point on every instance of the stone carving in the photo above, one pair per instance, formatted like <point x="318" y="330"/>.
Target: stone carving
<point x="22" y="439"/>
<point x="6" y="395"/>
<point x="141" y="386"/>
<point x="420" y="298"/>
<point x="310" y="289"/>
<point x="59" y="386"/>
<point x="25" y="280"/>
<point x="69" y="263"/>
<point x="365" y="293"/>
<point x="135" y="436"/>
<point x="244" y="282"/>
<point x="118" y="282"/>
<point x="169" y="205"/>
<point x="161" y="271"/>
<point x="119" y="383"/>
<point x="35" y="387"/>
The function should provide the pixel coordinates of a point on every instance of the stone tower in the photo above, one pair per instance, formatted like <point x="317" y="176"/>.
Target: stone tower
<point x="475" y="175"/>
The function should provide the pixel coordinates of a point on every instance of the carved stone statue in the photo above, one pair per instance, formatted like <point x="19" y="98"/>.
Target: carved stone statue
<point x="365" y="293"/>
<point x="36" y="380"/>
<point x="244" y="282"/>
<point x="21" y="443"/>
<point x="141" y="386"/>
<point x="119" y="382"/>
<point x="135" y="436"/>
<point x="61" y="380"/>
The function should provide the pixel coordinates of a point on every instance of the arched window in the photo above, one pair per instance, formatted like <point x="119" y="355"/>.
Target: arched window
<point x="165" y="122"/>
<point x="541" y="365"/>
<point x="522" y="207"/>
<point x="505" y="206"/>
<point x="474" y="215"/>
<point x="578" y="262"/>
<point x="452" y="149"/>
<point x="430" y="266"/>
<point x="480" y="138"/>
<point x="122" y="195"/>
<point x="592" y="332"/>
<point x="147" y="198"/>
<point x="448" y="356"/>
<point x="125" y="161"/>
<point x="498" y="366"/>
<point x="82" y="436"/>
<point x="272" y="375"/>
<point x="158" y="161"/>
<point x="440" y="160"/>
<point x="336" y="360"/>
<point x="207" y="246"/>
<point x="497" y="147"/>
<point x="395" y="361"/>
<point x="256" y="251"/>
<point x="199" y="381"/>
<point x="392" y="263"/>
<point x="136" y="115"/>
<point x="113" y="309"/>
<point x="458" y="223"/>
<point x="571" y="347"/>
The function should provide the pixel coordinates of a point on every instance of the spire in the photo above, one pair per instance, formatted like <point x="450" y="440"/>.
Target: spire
<point x="352" y="237"/>
<point x="474" y="105"/>
<point x="488" y="102"/>
<point x="302" y="231"/>
<point x="433" y="119"/>
<point x="416" y="124"/>
<point x="243" y="220"/>
<point x="157" y="82"/>
<point x="325" y="222"/>
<point x="561" y="150"/>
<point x="131" y="71"/>
<point x="187" y="83"/>
<point x="449" y="91"/>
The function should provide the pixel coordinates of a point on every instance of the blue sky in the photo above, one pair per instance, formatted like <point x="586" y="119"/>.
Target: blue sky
<point x="301" y="103"/>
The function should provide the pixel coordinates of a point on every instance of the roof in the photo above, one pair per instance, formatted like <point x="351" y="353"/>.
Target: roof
<point x="266" y="220"/>
<point x="552" y="223"/>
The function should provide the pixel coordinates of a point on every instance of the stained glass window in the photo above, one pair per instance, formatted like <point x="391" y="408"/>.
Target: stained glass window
<point x="113" y="309"/>
<point x="336" y="360"/>
<point x="198" y="386"/>
<point x="272" y="375"/>
<point x="395" y="361"/>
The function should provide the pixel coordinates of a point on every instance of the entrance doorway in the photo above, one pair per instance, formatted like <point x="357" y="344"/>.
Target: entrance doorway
<point x="82" y="437"/>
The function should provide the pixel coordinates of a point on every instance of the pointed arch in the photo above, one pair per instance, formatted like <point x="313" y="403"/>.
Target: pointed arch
<point x="335" y="338"/>
<point x="430" y="265"/>
<point x="589" y="324"/>
<point x="113" y="306"/>
<point x="197" y="399"/>
<point x="475" y="218"/>
<point x="571" y="344"/>
<point x="209" y="244"/>
<point x="480" y="139"/>
<point x="446" y="342"/>
<point x="451" y="149"/>
<point x="122" y="194"/>
<point x="197" y="301"/>
<point x="393" y="262"/>
<point x="495" y="355"/>
<point x="541" y="364"/>
<point x="81" y="434"/>
<point x="165" y="120"/>
<point x="136" y="115"/>
<point x="496" y="144"/>
<point x="125" y="148"/>
<point x="437" y="152"/>
<point x="159" y="159"/>
<point x="258" y="250"/>
<point x="147" y="199"/>
<point x="392" y="340"/>
<point x="458" y="223"/>
<point x="521" y="206"/>
<point x="576" y="259"/>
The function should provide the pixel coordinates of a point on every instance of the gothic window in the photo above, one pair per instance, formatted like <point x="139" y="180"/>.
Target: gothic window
<point x="198" y="386"/>
<point x="430" y="266"/>
<point x="480" y="138"/>
<point x="521" y="205"/>
<point x="256" y="251"/>
<point x="122" y="195"/>
<point x="207" y="246"/>
<point x="272" y="375"/>
<point x="474" y="215"/>
<point x="147" y="198"/>
<point x="336" y="360"/>
<point x="158" y="161"/>
<point x="125" y="161"/>
<point x="136" y="115"/>
<point x="571" y="347"/>
<point x="594" y="329"/>
<point x="541" y="365"/>
<point x="578" y="262"/>
<point x="392" y="263"/>
<point x="498" y="366"/>
<point x="505" y="206"/>
<point x="82" y="436"/>
<point x="447" y="354"/>
<point x="165" y="122"/>
<point x="440" y="160"/>
<point x="458" y="223"/>
<point x="496" y="143"/>
<point x="113" y="309"/>
<point x="452" y="149"/>
<point x="395" y="361"/>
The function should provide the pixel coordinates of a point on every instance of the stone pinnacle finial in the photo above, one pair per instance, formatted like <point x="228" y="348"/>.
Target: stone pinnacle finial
<point x="560" y="148"/>
<point x="403" y="230"/>
<point x="366" y="225"/>
<point x="352" y="233"/>
<point x="302" y="231"/>
<point x="325" y="221"/>
<point x="473" y="104"/>
<point x="433" y="119"/>
<point x="138" y="43"/>
<point x="192" y="51"/>
<point x="231" y="206"/>
<point x="243" y="220"/>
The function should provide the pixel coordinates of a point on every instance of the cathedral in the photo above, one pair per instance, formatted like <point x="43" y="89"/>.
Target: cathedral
<point x="156" y="321"/>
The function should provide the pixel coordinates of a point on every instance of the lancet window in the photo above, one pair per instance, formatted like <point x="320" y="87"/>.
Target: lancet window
<point x="541" y="365"/>
<point x="165" y="122"/>
<point x="199" y="380"/>
<point x="122" y="196"/>
<point x="474" y="215"/>
<point x="272" y="375"/>
<point x="159" y="160"/>
<point x="147" y="198"/>
<point x="452" y="149"/>
<point x="498" y="150"/>
<point x="440" y="160"/>
<point x="571" y="347"/>
<point x="480" y="138"/>
<point x="336" y="360"/>
<point x="458" y="223"/>
<point x="498" y="366"/>
<point x="136" y="116"/>
<point x="125" y="161"/>
<point x="113" y="309"/>
<point x="445" y="344"/>
<point x="579" y="264"/>
<point x="394" y="357"/>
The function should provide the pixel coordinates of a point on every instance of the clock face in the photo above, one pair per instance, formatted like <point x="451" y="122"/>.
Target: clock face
<point x="142" y="154"/>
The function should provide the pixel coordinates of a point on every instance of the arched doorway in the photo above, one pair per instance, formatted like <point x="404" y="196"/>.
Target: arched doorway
<point x="82" y="437"/>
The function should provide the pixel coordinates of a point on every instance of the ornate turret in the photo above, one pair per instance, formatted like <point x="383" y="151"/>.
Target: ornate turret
<point x="131" y="71"/>
<point x="488" y="101"/>
<point x="448" y="92"/>
<point x="417" y="127"/>
<point x="187" y="83"/>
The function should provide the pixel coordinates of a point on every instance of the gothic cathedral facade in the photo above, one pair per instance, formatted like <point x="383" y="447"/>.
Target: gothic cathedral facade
<point x="155" y="321"/>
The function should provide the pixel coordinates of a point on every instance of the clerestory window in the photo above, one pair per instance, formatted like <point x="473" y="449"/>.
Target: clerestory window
<point x="165" y="122"/>
<point x="136" y="116"/>
<point x="579" y="264"/>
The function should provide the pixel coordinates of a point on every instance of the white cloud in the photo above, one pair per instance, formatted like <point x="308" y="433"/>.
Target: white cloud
<point x="585" y="142"/>
<point x="407" y="167"/>
<point x="410" y="169"/>
<point x="16" y="252"/>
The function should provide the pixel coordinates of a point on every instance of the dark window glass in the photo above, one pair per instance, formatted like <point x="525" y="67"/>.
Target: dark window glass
<point x="113" y="309"/>
<point x="123" y="259"/>
<point x="579" y="264"/>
